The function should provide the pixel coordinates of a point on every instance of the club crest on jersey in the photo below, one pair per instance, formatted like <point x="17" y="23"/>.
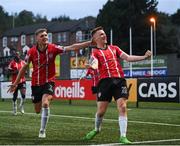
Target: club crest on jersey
<point x="50" y="55"/>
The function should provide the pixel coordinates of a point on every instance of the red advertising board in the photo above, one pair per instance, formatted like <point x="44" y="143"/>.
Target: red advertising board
<point x="74" y="89"/>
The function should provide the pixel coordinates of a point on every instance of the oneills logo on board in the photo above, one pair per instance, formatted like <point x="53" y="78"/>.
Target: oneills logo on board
<point x="73" y="91"/>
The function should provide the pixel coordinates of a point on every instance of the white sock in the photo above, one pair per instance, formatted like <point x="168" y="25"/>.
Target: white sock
<point x="22" y="102"/>
<point x="15" y="103"/>
<point x="98" y="122"/>
<point x="123" y="125"/>
<point x="15" y="106"/>
<point x="44" y="118"/>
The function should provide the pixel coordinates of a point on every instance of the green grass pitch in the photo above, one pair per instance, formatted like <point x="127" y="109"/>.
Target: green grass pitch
<point x="152" y="124"/>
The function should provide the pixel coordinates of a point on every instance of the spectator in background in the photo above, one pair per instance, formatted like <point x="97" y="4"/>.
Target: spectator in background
<point x="14" y="66"/>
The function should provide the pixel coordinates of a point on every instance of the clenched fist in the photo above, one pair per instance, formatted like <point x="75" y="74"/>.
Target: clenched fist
<point x="148" y="54"/>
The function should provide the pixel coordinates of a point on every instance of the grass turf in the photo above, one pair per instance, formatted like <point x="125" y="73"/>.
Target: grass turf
<point x="70" y="123"/>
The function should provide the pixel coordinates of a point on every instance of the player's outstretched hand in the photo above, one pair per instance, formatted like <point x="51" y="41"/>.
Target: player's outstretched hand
<point x="148" y="54"/>
<point x="12" y="88"/>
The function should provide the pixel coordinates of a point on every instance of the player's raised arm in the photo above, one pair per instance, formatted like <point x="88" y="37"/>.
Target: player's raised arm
<point x="77" y="46"/>
<point x="132" y="58"/>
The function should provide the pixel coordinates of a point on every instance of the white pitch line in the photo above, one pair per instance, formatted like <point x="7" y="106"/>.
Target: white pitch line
<point x="156" y="141"/>
<point x="113" y="120"/>
<point x="112" y="144"/>
<point x="154" y="123"/>
<point x="143" y="142"/>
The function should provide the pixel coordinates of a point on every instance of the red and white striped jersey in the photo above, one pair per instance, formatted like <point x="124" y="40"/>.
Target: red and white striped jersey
<point x="43" y="63"/>
<point x="16" y="66"/>
<point x="108" y="62"/>
<point x="94" y="75"/>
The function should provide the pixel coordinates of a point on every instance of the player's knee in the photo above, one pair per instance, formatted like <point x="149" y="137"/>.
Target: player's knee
<point x="45" y="104"/>
<point x="37" y="107"/>
<point x="123" y="108"/>
<point x="23" y="91"/>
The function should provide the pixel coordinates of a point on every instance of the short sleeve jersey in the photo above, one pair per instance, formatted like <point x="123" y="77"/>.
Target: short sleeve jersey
<point x="108" y="62"/>
<point x="16" y="66"/>
<point x="43" y="63"/>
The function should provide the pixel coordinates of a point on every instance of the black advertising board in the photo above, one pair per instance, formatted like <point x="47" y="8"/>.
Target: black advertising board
<point x="158" y="89"/>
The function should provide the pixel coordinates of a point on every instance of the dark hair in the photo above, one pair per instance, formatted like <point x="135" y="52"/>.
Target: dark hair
<point x="40" y="30"/>
<point x="95" y="30"/>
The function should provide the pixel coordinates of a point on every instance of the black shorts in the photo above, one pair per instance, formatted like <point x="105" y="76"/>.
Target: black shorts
<point x="21" y="85"/>
<point x="39" y="91"/>
<point x="94" y="89"/>
<point x="112" y="87"/>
